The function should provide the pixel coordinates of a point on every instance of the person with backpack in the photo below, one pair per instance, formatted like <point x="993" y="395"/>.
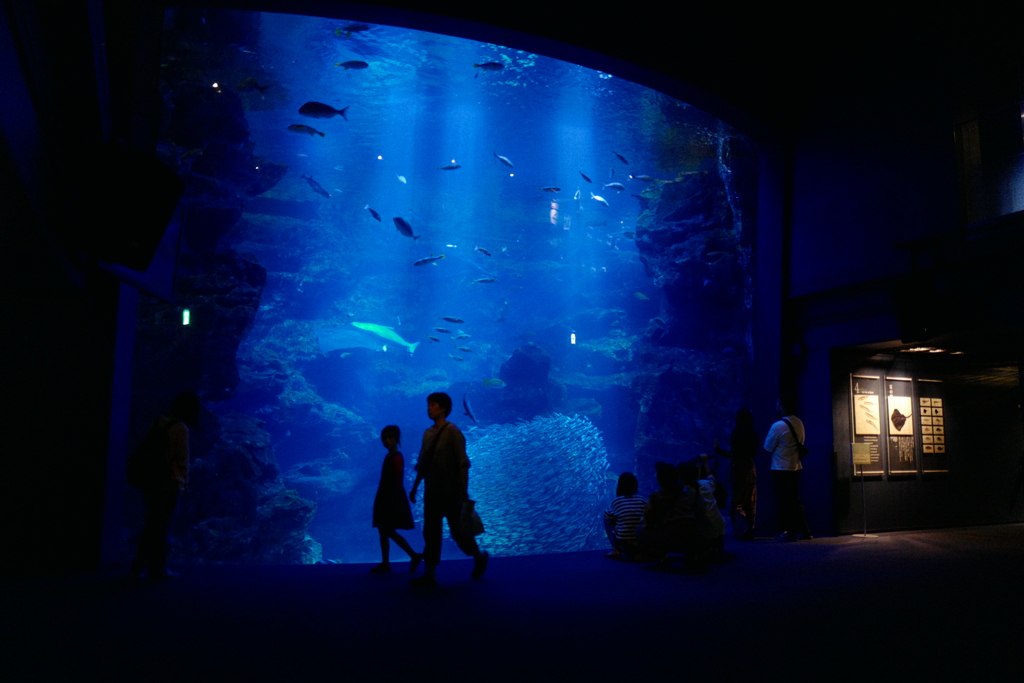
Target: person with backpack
<point x="785" y="441"/>
<point x="159" y="467"/>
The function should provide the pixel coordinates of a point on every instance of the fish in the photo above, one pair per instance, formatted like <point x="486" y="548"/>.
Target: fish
<point x="300" y="128"/>
<point x="464" y="349"/>
<point x="645" y="178"/>
<point x="576" y="197"/>
<point x="550" y="189"/>
<point x="504" y="160"/>
<point x="404" y="227"/>
<point x="488" y="66"/>
<point x="352" y="64"/>
<point x="443" y="330"/>
<point x="433" y="339"/>
<point x="452" y="319"/>
<point x="450" y="167"/>
<point x="461" y="336"/>
<point x="319" y="110"/>
<point x="494" y="382"/>
<point x="899" y="419"/>
<point x="465" y="406"/>
<point x="485" y="280"/>
<point x="629" y="234"/>
<point x="621" y="158"/>
<point x="616" y="186"/>
<point x="372" y="212"/>
<point x="459" y="358"/>
<point x="332" y="338"/>
<point x="316" y="186"/>
<point x="250" y="84"/>
<point x="585" y="177"/>
<point x="482" y="251"/>
<point x="402" y="179"/>
<point x="349" y="29"/>
<point x="386" y="332"/>
<point x="599" y="199"/>
<point x="430" y="260"/>
<point x="641" y="296"/>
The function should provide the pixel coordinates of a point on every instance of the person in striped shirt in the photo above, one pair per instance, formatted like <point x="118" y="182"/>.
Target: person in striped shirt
<point x="623" y="516"/>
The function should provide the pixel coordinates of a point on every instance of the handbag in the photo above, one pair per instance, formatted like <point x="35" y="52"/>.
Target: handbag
<point x="801" y="450"/>
<point x="469" y="521"/>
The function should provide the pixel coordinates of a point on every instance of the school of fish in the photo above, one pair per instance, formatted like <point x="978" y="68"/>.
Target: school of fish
<point x="540" y="486"/>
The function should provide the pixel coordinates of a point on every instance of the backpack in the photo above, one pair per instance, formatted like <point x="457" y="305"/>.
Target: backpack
<point x="801" y="449"/>
<point x="147" y="465"/>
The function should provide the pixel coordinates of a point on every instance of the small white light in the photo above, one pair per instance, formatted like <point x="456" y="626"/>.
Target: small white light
<point x="572" y="338"/>
<point x="379" y="157"/>
<point x="511" y="175"/>
<point x="215" y="85"/>
<point x="185" y="317"/>
<point x="453" y="161"/>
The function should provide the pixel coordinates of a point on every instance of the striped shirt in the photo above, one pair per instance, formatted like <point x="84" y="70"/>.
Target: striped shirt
<point x="626" y="512"/>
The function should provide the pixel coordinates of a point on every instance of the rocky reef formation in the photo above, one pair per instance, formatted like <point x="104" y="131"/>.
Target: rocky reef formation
<point x="222" y="293"/>
<point x="529" y="390"/>
<point x="696" y="354"/>
<point x="237" y="509"/>
<point x="240" y="509"/>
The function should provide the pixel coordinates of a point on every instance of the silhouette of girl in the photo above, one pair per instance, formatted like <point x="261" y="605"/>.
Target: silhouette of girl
<point x="391" y="506"/>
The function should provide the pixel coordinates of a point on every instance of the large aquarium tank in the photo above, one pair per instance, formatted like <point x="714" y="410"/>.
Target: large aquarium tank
<point x="375" y="213"/>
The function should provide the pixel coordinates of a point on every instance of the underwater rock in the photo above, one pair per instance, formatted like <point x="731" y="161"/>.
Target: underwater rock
<point x="314" y="428"/>
<point x="344" y="501"/>
<point x="692" y="247"/>
<point x="222" y="292"/>
<point x="527" y="365"/>
<point x="237" y="508"/>
<point x="686" y="399"/>
<point x="207" y="141"/>
<point x="540" y="486"/>
<point x="529" y="391"/>
<point x="321" y="480"/>
<point x="201" y="115"/>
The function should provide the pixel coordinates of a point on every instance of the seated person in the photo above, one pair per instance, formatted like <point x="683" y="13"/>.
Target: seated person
<point x="669" y="525"/>
<point x="623" y="517"/>
<point x="710" y="522"/>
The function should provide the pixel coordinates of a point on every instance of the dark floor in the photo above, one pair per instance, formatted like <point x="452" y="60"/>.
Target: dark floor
<point x="929" y="605"/>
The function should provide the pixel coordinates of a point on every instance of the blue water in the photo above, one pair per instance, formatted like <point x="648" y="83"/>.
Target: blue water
<point x="521" y="266"/>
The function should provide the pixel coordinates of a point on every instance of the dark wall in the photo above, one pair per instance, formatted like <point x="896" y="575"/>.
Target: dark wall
<point x="874" y="165"/>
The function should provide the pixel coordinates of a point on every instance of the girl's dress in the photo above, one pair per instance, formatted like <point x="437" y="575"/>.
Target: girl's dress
<point x="391" y="506"/>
